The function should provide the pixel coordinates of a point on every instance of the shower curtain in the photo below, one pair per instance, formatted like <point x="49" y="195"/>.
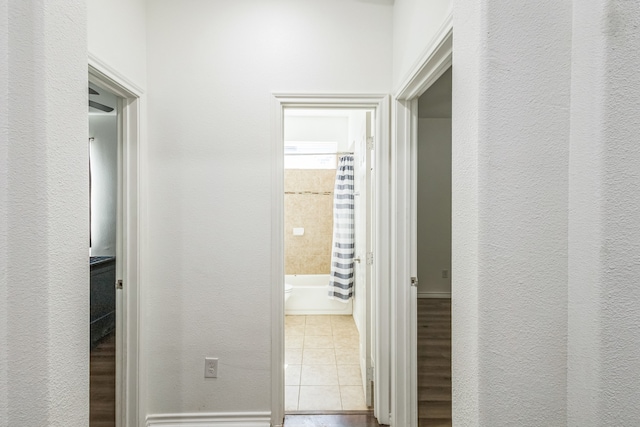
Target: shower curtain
<point x="342" y="248"/>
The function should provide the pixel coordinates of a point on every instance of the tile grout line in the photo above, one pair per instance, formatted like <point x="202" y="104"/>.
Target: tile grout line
<point x="335" y="365"/>
<point x="299" y="391"/>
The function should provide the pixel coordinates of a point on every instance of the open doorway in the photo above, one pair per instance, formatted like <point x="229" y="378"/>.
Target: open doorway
<point x="409" y="379"/>
<point x="114" y="146"/>
<point x="433" y="238"/>
<point x="103" y="262"/>
<point x="328" y="259"/>
<point x="369" y="331"/>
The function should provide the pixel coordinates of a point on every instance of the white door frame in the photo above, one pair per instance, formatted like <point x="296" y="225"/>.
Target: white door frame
<point x="128" y="211"/>
<point x="434" y="62"/>
<point x="380" y="104"/>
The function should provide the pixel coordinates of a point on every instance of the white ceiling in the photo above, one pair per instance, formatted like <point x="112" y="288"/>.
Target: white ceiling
<point x="435" y="103"/>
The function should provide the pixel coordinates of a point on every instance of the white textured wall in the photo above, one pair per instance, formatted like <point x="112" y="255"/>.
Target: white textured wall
<point x="44" y="353"/>
<point x="212" y="66"/>
<point x="511" y="85"/>
<point x="604" y="235"/>
<point x="104" y="167"/>
<point x="117" y="35"/>
<point x="434" y="206"/>
<point x="4" y="175"/>
<point x="465" y="227"/>
<point x="415" y="23"/>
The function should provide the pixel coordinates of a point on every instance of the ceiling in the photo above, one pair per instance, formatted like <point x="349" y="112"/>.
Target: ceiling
<point x="435" y="103"/>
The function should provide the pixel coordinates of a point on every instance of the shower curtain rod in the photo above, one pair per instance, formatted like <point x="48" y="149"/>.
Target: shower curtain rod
<point x="341" y="153"/>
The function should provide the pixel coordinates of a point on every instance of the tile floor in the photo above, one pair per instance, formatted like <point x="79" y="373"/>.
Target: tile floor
<point x="322" y="367"/>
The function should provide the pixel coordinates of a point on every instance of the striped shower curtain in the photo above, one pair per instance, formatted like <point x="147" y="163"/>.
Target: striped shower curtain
<point x="342" y="248"/>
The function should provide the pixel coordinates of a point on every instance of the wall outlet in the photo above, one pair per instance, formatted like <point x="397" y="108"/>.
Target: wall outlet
<point x="211" y="367"/>
<point x="445" y="274"/>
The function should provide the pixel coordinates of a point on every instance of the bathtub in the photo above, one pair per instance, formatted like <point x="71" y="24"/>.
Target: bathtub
<point x="309" y="296"/>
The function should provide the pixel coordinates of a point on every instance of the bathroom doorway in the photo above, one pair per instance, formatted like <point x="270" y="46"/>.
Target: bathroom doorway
<point x="327" y="250"/>
<point x="333" y="325"/>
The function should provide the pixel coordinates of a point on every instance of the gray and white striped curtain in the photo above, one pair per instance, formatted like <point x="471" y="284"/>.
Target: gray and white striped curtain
<point x="342" y="248"/>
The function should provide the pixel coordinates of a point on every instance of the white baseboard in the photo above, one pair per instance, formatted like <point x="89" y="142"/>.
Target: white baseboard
<point x="434" y="295"/>
<point x="222" y="419"/>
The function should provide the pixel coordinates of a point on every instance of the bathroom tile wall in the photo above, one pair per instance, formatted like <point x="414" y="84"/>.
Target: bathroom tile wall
<point x="311" y="252"/>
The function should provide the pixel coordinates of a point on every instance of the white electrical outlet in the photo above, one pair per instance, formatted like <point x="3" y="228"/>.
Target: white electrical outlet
<point x="211" y="367"/>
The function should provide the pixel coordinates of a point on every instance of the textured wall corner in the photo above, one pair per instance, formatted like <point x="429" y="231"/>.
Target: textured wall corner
<point x="46" y="214"/>
<point x="511" y="84"/>
<point x="604" y="237"/>
<point x="4" y="147"/>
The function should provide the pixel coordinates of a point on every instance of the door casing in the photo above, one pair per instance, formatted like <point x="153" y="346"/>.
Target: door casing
<point x="364" y="220"/>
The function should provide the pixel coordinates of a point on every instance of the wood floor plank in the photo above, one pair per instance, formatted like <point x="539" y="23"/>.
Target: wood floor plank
<point x="102" y="383"/>
<point x="434" y="362"/>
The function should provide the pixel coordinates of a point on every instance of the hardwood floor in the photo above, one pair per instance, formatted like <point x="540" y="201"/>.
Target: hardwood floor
<point x="434" y="362"/>
<point x="338" y="420"/>
<point x="102" y="383"/>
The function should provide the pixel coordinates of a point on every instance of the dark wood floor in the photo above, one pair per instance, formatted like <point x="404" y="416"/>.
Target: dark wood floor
<point x="341" y="420"/>
<point x="434" y="362"/>
<point x="102" y="384"/>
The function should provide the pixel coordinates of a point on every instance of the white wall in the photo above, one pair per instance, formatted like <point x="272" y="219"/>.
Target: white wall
<point x="415" y="23"/>
<point x="511" y="86"/>
<point x="212" y="67"/>
<point x="604" y="213"/>
<point x="117" y="35"/>
<point x="4" y="211"/>
<point x="44" y="272"/>
<point x="104" y="154"/>
<point x="434" y="207"/>
<point x="465" y="221"/>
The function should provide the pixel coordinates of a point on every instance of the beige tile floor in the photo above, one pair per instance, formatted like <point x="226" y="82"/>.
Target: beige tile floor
<point x="322" y="367"/>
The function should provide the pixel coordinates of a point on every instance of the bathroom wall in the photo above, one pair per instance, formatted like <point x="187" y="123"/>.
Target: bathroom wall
<point x="104" y="152"/>
<point x="311" y="252"/>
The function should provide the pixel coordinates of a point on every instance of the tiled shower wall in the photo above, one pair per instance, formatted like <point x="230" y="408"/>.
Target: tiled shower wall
<point x="311" y="252"/>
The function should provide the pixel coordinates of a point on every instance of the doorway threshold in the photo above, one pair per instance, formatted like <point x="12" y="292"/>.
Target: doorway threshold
<point x="331" y="419"/>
